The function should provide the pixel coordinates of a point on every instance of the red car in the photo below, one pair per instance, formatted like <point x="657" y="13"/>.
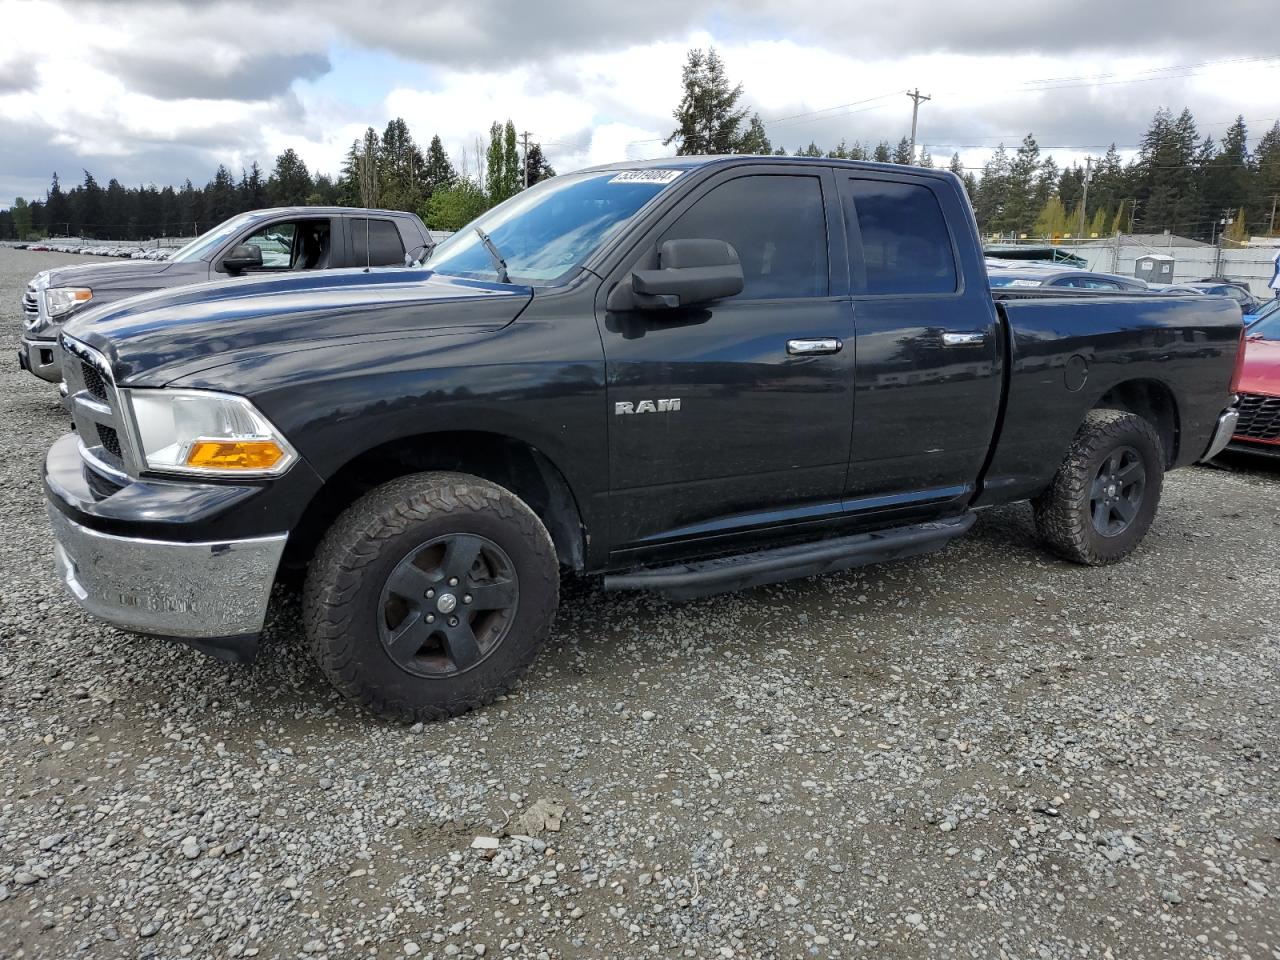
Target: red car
<point x="1258" y="430"/>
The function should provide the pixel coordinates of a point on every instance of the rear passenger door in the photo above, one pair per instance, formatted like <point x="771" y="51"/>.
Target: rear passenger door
<point x="375" y="242"/>
<point x="927" y="346"/>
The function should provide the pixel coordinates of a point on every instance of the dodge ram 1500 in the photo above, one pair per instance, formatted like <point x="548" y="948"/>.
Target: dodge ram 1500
<point x="689" y="375"/>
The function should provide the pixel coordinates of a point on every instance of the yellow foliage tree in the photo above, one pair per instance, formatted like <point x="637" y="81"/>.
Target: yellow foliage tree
<point x="1238" y="231"/>
<point x="1052" y="221"/>
<point x="1098" y="226"/>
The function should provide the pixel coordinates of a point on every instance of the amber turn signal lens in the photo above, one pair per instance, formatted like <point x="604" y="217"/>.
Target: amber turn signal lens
<point x="234" y="454"/>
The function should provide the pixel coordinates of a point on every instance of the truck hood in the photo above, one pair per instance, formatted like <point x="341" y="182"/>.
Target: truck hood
<point x="120" y="275"/>
<point x="1261" y="373"/>
<point x="159" y="337"/>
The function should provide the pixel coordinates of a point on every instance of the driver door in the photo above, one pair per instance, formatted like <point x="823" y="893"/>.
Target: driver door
<point x="725" y="421"/>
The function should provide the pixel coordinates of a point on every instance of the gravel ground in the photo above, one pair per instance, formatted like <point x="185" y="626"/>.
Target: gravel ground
<point x="983" y="753"/>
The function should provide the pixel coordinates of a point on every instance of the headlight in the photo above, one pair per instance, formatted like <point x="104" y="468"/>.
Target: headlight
<point x="205" y="433"/>
<point x="59" y="301"/>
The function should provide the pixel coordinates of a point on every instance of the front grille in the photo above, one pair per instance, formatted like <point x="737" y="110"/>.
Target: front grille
<point x="110" y="440"/>
<point x="1259" y="417"/>
<point x="95" y="407"/>
<point x="93" y="381"/>
<point x="30" y="307"/>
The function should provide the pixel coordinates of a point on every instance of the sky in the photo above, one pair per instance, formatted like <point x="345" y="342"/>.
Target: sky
<point x="151" y="92"/>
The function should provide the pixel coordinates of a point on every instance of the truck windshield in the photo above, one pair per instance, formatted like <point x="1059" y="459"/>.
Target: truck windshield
<point x="546" y="232"/>
<point x="211" y="240"/>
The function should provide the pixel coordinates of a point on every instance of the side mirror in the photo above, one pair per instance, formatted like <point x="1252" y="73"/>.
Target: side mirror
<point x="243" y="256"/>
<point x="689" y="272"/>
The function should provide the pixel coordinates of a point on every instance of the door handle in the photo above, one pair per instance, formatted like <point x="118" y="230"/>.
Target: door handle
<point x="969" y="338"/>
<point x="805" y="348"/>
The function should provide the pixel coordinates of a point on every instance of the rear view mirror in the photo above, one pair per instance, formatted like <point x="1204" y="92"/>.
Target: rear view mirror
<point x="689" y="272"/>
<point x="243" y="256"/>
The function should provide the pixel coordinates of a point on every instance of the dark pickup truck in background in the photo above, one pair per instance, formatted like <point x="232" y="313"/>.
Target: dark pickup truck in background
<point x="690" y="375"/>
<point x="277" y="240"/>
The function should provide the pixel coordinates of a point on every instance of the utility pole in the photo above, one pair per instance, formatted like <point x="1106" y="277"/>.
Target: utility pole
<point x="524" y="139"/>
<point x="1274" y="198"/>
<point x="1084" y="199"/>
<point x="916" y="96"/>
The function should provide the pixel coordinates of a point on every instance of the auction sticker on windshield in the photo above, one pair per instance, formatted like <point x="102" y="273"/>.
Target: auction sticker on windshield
<point x="645" y="176"/>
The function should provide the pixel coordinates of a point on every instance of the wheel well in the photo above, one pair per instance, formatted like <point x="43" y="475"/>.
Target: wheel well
<point x="510" y="463"/>
<point x="1155" y="403"/>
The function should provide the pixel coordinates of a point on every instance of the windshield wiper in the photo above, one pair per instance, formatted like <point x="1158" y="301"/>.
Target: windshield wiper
<point x="499" y="264"/>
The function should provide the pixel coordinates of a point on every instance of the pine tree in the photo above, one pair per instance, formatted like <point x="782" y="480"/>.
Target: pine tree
<point x="220" y="200"/>
<point x="1020" y="187"/>
<point x="439" y="169"/>
<point x="537" y="164"/>
<point x="708" y="117"/>
<point x="902" y="152"/>
<point x="989" y="201"/>
<point x="755" y="140"/>
<point x="290" y="182"/>
<point x="881" y="152"/>
<point x="1265" y="188"/>
<point x="57" y="211"/>
<point x="401" y="168"/>
<point x="89" y="212"/>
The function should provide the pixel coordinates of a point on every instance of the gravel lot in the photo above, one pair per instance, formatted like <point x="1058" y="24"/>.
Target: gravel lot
<point x="983" y="753"/>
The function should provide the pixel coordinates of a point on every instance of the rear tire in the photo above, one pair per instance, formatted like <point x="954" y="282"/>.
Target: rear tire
<point x="430" y="596"/>
<point x="1104" y="496"/>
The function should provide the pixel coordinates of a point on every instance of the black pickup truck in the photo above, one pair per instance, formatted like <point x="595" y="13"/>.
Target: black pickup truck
<point x="691" y="375"/>
<point x="271" y="241"/>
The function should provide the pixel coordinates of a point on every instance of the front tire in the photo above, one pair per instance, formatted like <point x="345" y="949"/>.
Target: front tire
<point x="1104" y="496"/>
<point x="430" y="596"/>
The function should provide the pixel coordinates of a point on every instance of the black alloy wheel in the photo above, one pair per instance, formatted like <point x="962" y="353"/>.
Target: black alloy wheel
<point x="448" y="604"/>
<point x="1116" y="495"/>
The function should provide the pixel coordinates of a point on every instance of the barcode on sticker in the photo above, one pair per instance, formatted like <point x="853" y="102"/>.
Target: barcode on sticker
<point x="645" y="176"/>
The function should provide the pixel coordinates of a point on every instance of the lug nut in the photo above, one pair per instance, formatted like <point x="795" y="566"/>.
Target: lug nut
<point x="431" y="618"/>
<point x="453" y="581"/>
<point x="453" y="621"/>
<point x="431" y="594"/>
<point x="466" y="598"/>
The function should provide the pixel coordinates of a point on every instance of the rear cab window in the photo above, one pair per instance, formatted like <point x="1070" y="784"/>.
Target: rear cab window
<point x="899" y="242"/>
<point x="381" y="240"/>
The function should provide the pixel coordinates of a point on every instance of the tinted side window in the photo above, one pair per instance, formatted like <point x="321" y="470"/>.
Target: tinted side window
<point x="385" y="246"/>
<point x="778" y="226"/>
<point x="905" y="245"/>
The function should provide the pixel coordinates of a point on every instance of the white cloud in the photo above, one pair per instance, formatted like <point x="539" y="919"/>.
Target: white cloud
<point x="147" y="90"/>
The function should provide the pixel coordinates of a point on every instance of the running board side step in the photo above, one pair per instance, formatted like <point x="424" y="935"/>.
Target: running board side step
<point x="686" y="581"/>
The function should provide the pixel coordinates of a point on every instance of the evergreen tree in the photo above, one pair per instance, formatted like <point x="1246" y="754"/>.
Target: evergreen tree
<point x="253" y="189"/>
<point x="220" y="200"/>
<point x="290" y="182"/>
<point x="881" y="152"/>
<point x="537" y="164"/>
<point x="1264" y="194"/>
<point x="494" y="178"/>
<point x="708" y="117"/>
<point x="902" y="152"/>
<point x="57" y="211"/>
<point x="989" y="203"/>
<point x="1020" y="188"/>
<point x="90" y="220"/>
<point x="439" y="169"/>
<point x="754" y="139"/>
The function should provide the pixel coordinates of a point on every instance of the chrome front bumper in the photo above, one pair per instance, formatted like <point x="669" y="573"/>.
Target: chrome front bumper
<point x="41" y="358"/>
<point x="1222" y="433"/>
<point x="190" y="591"/>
